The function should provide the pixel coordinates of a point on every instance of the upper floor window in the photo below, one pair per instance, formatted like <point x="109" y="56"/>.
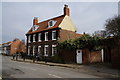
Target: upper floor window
<point x="29" y="38"/>
<point x="39" y="37"/>
<point x="46" y="36"/>
<point x="34" y="37"/>
<point x="51" y="23"/>
<point x="54" y="35"/>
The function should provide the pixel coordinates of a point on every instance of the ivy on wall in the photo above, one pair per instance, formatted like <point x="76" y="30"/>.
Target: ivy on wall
<point x="84" y="41"/>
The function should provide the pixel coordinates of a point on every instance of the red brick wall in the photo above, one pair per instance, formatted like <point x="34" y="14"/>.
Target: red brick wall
<point x="95" y="56"/>
<point x="112" y="52"/>
<point x="69" y="56"/>
<point x="17" y="46"/>
<point x="115" y="58"/>
<point x="91" y="56"/>
<point x="85" y="56"/>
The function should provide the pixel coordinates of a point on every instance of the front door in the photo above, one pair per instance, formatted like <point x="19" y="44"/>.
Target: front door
<point x="79" y="56"/>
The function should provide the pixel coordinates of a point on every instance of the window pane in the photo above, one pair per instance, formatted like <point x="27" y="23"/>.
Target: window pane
<point x="54" y="35"/>
<point x="39" y="37"/>
<point x="50" y="23"/>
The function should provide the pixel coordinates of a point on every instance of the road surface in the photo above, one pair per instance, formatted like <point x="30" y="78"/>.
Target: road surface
<point x="14" y="69"/>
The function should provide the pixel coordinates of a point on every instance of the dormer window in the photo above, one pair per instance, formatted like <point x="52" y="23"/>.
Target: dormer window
<point x="51" y="23"/>
<point x="35" y="27"/>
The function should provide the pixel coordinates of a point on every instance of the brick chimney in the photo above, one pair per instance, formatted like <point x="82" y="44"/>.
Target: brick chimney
<point x="66" y="10"/>
<point x="35" y="20"/>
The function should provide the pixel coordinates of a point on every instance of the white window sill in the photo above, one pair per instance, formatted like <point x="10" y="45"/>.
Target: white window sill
<point x="53" y="55"/>
<point x="54" y="39"/>
<point x="39" y="41"/>
<point x="46" y="40"/>
<point x="45" y="55"/>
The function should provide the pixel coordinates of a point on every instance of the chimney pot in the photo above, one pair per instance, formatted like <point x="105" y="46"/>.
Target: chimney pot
<point x="66" y="10"/>
<point x="35" y="20"/>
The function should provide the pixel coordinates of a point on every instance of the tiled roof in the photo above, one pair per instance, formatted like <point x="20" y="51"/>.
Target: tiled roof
<point x="44" y="24"/>
<point x="8" y="43"/>
<point x="66" y="35"/>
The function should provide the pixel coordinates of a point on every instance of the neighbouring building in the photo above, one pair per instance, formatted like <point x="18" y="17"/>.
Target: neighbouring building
<point x="44" y="36"/>
<point x="12" y="47"/>
<point x="5" y="48"/>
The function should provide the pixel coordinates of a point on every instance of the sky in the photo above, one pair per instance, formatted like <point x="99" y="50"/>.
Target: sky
<point x="17" y="17"/>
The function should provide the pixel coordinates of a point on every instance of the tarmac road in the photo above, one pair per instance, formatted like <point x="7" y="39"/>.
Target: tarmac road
<point x="14" y="69"/>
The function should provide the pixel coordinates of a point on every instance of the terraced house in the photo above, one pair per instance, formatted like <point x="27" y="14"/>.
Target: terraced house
<point x="43" y="36"/>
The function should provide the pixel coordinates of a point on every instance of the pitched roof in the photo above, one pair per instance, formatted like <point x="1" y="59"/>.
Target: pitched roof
<point x="44" y="24"/>
<point x="66" y="35"/>
<point x="8" y="43"/>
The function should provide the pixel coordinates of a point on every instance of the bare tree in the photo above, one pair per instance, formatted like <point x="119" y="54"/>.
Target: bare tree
<point x="113" y="26"/>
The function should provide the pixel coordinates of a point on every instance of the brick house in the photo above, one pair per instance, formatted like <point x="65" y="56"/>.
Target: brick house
<point x="43" y="37"/>
<point x="12" y="47"/>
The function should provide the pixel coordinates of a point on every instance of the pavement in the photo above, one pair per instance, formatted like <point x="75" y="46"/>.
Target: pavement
<point x="99" y="69"/>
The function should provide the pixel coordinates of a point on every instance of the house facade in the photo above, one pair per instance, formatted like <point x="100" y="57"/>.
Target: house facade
<point x="5" y="48"/>
<point x="44" y="36"/>
<point x="12" y="47"/>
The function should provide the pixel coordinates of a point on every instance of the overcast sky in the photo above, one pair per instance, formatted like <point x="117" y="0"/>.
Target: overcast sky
<point x="17" y="17"/>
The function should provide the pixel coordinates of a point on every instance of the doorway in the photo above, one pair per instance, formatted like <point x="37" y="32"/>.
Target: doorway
<point x="79" y="56"/>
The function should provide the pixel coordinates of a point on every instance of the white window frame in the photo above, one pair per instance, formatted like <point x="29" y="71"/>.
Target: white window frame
<point x="45" y="50"/>
<point x="34" y="37"/>
<point x="33" y="50"/>
<point x="49" y="23"/>
<point x="29" y="37"/>
<point x="35" y="27"/>
<point x="39" y="50"/>
<point x="53" y="50"/>
<point x="39" y="37"/>
<point x="53" y="35"/>
<point x="46" y="37"/>
<point x="28" y="50"/>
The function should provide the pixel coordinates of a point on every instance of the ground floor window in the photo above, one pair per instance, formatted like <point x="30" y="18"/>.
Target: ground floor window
<point x="39" y="49"/>
<point x="46" y="50"/>
<point x="54" y="50"/>
<point x="28" y="50"/>
<point x="33" y="50"/>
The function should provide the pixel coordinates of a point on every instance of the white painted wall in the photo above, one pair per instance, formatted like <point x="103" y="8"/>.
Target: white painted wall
<point x="102" y="51"/>
<point x="67" y="24"/>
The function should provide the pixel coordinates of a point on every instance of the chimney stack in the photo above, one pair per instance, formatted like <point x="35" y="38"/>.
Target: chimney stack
<point x="35" y="20"/>
<point x="66" y="10"/>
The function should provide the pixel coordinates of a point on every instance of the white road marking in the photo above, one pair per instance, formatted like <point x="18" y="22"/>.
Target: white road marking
<point x="0" y="78"/>
<point x="54" y="76"/>
<point x="28" y="68"/>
